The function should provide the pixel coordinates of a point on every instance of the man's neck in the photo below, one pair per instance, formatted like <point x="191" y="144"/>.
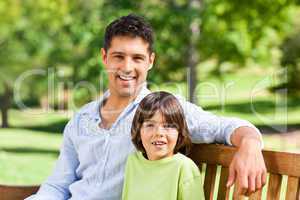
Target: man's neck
<point x="114" y="102"/>
<point x="112" y="107"/>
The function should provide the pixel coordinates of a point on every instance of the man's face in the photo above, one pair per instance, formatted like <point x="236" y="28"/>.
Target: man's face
<point x="127" y="62"/>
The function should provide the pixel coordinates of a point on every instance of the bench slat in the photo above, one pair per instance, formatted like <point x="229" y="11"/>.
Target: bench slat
<point x="237" y="196"/>
<point x="298" y="191"/>
<point x="292" y="187"/>
<point x="276" y="162"/>
<point x="209" y="181"/>
<point x="223" y="192"/>
<point x="16" y="192"/>
<point x="274" y="187"/>
<point x="256" y="195"/>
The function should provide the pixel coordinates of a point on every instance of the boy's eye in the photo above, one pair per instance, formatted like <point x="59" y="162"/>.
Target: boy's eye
<point x="148" y="124"/>
<point x="170" y="126"/>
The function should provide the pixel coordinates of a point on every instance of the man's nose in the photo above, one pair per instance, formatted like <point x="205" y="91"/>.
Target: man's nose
<point x="127" y="67"/>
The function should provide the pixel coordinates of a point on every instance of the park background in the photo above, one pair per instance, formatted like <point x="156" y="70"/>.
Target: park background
<point x="233" y="58"/>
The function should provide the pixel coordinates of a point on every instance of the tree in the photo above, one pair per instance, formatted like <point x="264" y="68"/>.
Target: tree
<point x="67" y="35"/>
<point x="24" y="43"/>
<point x="291" y="61"/>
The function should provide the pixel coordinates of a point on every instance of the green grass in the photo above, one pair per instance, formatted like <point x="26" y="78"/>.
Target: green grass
<point x="29" y="149"/>
<point x="245" y="95"/>
<point x="27" y="157"/>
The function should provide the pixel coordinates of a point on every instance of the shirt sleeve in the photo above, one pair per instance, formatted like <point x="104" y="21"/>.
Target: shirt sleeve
<point x="190" y="183"/>
<point x="56" y="187"/>
<point x="126" y="177"/>
<point x="191" y="189"/>
<point x="205" y="127"/>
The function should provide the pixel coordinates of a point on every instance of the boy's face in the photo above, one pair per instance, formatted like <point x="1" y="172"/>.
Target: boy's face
<point x="158" y="138"/>
<point x="127" y="62"/>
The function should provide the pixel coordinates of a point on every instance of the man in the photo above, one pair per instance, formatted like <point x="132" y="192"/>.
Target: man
<point x="97" y="139"/>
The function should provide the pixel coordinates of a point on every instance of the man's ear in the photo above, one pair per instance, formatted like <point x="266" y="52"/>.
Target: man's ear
<point x="104" y="56"/>
<point x="150" y="66"/>
<point x="152" y="58"/>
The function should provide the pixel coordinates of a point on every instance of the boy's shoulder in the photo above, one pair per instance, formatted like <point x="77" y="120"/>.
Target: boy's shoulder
<point x="133" y="155"/>
<point x="188" y="167"/>
<point x="184" y="160"/>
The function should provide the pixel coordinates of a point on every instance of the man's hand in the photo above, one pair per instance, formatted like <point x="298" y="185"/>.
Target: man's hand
<point x="247" y="167"/>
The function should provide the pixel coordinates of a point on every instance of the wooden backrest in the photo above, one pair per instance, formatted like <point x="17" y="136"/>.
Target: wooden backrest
<point x="277" y="163"/>
<point x="16" y="192"/>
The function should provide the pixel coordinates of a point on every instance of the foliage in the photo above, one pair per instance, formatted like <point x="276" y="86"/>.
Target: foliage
<point x="66" y="36"/>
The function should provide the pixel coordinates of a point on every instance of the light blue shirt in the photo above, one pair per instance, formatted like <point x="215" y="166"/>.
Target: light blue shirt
<point x="92" y="160"/>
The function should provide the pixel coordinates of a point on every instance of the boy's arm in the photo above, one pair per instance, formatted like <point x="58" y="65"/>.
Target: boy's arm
<point x="56" y="186"/>
<point x="190" y="182"/>
<point x="191" y="190"/>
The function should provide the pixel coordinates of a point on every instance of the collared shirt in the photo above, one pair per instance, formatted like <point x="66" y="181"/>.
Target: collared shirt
<point x="92" y="160"/>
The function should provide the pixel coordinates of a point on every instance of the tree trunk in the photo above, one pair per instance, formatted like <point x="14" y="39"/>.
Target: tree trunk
<point x="4" y="115"/>
<point x="193" y="56"/>
<point x="6" y="99"/>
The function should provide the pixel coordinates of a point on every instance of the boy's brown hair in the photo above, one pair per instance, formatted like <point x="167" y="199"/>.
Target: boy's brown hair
<point x="168" y="105"/>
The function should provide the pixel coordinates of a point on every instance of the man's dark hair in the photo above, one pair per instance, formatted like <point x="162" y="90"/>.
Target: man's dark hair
<point x="172" y="112"/>
<point x="132" y="26"/>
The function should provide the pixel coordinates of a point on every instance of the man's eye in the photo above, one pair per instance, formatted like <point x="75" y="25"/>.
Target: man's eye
<point x="138" y="58"/>
<point x="118" y="57"/>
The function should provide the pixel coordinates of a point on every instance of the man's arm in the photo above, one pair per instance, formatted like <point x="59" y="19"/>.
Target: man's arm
<point x="248" y="166"/>
<point x="56" y="186"/>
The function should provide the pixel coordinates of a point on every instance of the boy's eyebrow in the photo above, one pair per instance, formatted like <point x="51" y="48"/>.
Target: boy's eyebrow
<point x="149" y="120"/>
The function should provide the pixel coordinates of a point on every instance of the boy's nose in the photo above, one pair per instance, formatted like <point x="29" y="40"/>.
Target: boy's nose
<point x="160" y="131"/>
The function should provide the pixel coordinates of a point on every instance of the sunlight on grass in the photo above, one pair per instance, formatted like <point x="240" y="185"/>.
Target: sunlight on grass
<point x="29" y="149"/>
<point x="27" y="157"/>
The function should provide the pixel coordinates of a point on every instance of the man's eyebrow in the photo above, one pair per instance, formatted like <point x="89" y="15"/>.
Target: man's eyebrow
<point x="117" y="53"/>
<point x="122" y="53"/>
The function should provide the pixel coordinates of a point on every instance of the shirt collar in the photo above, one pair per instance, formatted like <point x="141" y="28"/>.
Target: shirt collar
<point x="95" y="107"/>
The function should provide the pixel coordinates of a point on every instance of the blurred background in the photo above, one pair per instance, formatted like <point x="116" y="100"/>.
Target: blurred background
<point x="233" y="58"/>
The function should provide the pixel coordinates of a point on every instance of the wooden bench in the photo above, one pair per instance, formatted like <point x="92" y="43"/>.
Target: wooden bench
<point x="216" y="157"/>
<point x="277" y="163"/>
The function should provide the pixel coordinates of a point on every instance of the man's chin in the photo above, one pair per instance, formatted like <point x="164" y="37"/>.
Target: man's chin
<point x="130" y="92"/>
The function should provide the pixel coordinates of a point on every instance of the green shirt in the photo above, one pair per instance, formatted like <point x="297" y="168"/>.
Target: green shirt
<point x="171" y="178"/>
